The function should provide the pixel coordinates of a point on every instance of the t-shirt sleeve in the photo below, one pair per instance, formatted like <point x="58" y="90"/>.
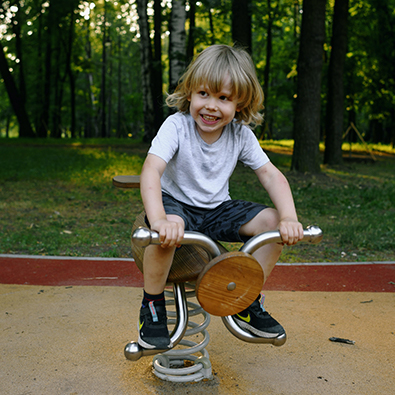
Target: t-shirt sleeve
<point x="165" y="143"/>
<point x="252" y="154"/>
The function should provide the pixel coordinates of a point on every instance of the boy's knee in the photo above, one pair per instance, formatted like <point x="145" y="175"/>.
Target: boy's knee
<point x="269" y="219"/>
<point x="264" y="221"/>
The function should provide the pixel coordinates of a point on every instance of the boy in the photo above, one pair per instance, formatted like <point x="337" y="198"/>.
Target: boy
<point x="185" y="182"/>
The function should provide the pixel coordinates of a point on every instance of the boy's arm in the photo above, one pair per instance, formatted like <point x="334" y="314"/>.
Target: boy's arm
<point x="277" y="186"/>
<point x="170" y="233"/>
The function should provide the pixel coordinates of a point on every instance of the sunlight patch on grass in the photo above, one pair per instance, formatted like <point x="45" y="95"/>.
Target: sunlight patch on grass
<point x="273" y="144"/>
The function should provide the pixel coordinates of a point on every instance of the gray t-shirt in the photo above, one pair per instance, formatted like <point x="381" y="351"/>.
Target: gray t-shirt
<point x="198" y="173"/>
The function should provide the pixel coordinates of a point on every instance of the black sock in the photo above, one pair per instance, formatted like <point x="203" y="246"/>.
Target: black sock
<point x="158" y="299"/>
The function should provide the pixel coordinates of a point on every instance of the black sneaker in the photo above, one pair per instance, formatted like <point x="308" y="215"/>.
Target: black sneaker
<point x="258" y="321"/>
<point x="152" y="326"/>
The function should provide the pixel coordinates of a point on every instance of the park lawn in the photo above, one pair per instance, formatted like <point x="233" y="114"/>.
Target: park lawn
<point x="56" y="198"/>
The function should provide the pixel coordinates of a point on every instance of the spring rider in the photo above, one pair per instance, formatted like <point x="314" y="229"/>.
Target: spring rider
<point x="224" y="283"/>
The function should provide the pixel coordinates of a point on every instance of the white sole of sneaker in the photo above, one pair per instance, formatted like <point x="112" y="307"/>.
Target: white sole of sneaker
<point x="152" y="347"/>
<point x="255" y="331"/>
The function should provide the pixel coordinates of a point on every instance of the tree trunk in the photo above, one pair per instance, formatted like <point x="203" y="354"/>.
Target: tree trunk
<point x="25" y="129"/>
<point x="241" y="24"/>
<point x="146" y="72"/>
<point x="44" y="113"/>
<point x="7" y="126"/>
<point x="384" y="54"/>
<point x="192" y="27"/>
<point x="16" y="27"/>
<point x="266" y="75"/>
<point x="119" y="78"/>
<point x="69" y="73"/>
<point x="335" y="104"/>
<point x="38" y="93"/>
<point x="269" y="49"/>
<point x="306" y="156"/>
<point x="57" y="87"/>
<point x="211" y="23"/>
<point x="157" y="80"/>
<point x="103" y="96"/>
<point x="177" y="43"/>
<point x="392" y="130"/>
<point x="109" y="94"/>
<point x="91" y="124"/>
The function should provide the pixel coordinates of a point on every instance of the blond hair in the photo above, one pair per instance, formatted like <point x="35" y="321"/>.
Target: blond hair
<point x="210" y="68"/>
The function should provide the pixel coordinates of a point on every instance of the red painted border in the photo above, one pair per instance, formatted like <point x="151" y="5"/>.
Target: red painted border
<point x="374" y="277"/>
<point x="36" y="270"/>
<point x="63" y="271"/>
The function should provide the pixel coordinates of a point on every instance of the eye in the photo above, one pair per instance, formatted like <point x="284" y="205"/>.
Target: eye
<point x="224" y="98"/>
<point x="202" y="93"/>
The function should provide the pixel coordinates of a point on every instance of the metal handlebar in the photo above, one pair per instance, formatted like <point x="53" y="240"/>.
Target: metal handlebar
<point x="143" y="237"/>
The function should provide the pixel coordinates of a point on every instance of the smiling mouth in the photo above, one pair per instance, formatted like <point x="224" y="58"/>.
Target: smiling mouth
<point x="209" y="118"/>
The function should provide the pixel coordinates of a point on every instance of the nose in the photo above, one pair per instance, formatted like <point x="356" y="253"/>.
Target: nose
<point x="211" y="104"/>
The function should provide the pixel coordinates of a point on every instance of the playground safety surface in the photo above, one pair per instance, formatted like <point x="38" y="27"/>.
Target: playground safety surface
<point x="65" y="322"/>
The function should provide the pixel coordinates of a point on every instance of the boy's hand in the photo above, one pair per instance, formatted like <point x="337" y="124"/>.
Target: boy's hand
<point x="170" y="233"/>
<point x="291" y="231"/>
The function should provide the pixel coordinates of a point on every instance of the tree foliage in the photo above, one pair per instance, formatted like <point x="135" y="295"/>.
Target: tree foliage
<point x="77" y="69"/>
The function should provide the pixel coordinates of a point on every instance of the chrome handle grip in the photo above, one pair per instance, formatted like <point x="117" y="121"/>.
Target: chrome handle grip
<point x="143" y="237"/>
<point x="312" y="234"/>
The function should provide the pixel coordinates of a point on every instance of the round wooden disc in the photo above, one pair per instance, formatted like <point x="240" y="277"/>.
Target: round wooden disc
<point x="229" y="283"/>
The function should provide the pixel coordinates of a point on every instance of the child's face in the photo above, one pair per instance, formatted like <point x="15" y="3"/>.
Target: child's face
<point x="212" y="111"/>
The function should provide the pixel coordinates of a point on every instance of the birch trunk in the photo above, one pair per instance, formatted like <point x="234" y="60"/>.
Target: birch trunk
<point x="157" y="66"/>
<point x="177" y="43"/>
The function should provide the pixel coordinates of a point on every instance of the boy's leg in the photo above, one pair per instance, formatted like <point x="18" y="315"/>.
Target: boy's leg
<point x="153" y="332"/>
<point x="255" y="318"/>
<point x="268" y="255"/>
<point x="156" y="266"/>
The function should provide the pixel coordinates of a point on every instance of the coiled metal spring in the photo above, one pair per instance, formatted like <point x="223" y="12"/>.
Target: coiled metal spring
<point x="170" y="366"/>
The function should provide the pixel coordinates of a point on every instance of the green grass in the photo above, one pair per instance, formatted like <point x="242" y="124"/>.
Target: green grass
<point x="60" y="200"/>
<point x="56" y="198"/>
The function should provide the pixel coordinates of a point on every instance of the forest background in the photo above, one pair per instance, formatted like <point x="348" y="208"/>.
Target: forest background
<point x="81" y="69"/>
<point x="81" y="96"/>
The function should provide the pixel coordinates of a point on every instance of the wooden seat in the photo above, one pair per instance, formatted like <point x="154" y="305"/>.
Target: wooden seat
<point x="126" y="182"/>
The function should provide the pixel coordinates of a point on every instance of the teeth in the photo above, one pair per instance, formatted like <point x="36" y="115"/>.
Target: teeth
<point x="209" y="117"/>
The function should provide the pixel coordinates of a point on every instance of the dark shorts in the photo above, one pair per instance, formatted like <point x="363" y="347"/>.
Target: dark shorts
<point x="221" y="223"/>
